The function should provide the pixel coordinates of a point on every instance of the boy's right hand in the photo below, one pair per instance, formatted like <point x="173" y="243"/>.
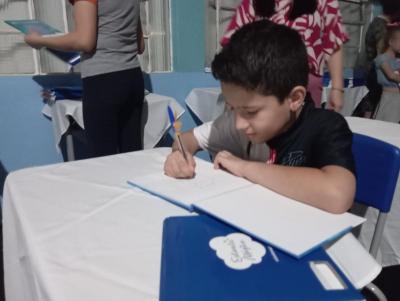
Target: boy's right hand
<point x="177" y="167"/>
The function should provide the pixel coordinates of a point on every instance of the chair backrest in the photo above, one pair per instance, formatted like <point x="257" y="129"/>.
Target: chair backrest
<point x="377" y="168"/>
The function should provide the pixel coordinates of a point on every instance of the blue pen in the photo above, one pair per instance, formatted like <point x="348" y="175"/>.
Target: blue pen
<point x="178" y="137"/>
<point x="171" y="116"/>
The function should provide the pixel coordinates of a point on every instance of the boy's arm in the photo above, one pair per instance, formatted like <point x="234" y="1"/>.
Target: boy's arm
<point x="389" y="72"/>
<point x="82" y="38"/>
<point x="329" y="184"/>
<point x="330" y="188"/>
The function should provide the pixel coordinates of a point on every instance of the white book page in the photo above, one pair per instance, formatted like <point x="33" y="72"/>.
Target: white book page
<point x="208" y="182"/>
<point x="291" y="226"/>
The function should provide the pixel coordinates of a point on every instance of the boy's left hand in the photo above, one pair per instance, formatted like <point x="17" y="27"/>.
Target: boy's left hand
<point x="335" y="100"/>
<point x="225" y="160"/>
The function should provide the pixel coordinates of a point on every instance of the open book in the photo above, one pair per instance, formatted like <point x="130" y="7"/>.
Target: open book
<point x="27" y="26"/>
<point x="286" y="224"/>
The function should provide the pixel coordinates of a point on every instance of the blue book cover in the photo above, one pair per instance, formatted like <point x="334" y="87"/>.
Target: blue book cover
<point x="204" y="259"/>
<point x="27" y="26"/>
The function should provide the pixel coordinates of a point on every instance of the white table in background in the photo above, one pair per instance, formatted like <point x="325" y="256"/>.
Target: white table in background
<point x="155" y="119"/>
<point x="77" y="231"/>
<point x="208" y="103"/>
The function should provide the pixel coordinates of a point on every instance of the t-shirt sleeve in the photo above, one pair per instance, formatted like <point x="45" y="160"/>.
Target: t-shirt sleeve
<point x="334" y="33"/>
<point x="221" y="134"/>
<point x="334" y="143"/>
<point x="244" y="14"/>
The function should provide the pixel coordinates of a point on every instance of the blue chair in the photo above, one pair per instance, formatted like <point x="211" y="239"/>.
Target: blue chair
<point x="377" y="168"/>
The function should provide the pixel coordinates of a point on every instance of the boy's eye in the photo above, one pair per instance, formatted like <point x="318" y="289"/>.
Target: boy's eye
<point x="250" y="113"/>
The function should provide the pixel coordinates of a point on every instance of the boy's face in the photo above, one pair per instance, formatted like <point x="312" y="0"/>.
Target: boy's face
<point x="259" y="117"/>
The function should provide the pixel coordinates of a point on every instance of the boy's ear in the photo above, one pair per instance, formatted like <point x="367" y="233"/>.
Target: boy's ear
<point x="296" y="97"/>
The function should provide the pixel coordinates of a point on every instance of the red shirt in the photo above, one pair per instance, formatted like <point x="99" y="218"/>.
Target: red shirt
<point x="322" y="32"/>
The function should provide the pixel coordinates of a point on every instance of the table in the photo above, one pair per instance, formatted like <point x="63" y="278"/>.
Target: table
<point x="208" y="103"/>
<point x="77" y="231"/>
<point x="389" y="251"/>
<point x="155" y="119"/>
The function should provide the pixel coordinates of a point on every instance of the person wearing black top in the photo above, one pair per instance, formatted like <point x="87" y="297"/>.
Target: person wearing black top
<point x="263" y="73"/>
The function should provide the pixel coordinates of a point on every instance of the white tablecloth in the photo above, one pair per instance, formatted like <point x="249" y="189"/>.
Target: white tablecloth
<point x="77" y="231"/>
<point x="155" y="117"/>
<point x="208" y="103"/>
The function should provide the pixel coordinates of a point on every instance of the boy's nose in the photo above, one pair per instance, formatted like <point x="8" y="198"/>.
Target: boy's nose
<point x="240" y="122"/>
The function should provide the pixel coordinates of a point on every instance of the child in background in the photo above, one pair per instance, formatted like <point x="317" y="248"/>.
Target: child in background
<point x="388" y="66"/>
<point x="263" y="72"/>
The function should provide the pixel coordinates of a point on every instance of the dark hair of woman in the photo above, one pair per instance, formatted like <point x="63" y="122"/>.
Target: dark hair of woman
<point x="391" y="8"/>
<point x="266" y="8"/>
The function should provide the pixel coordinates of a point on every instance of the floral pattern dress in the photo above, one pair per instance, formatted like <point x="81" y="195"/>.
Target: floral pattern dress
<point x="322" y="31"/>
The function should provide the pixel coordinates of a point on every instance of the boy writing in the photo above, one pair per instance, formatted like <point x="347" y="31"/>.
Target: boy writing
<point x="263" y="73"/>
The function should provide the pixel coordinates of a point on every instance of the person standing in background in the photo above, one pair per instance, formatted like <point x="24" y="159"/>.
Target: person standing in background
<point x="375" y="45"/>
<point x="319" y="23"/>
<point x="110" y="37"/>
<point x="388" y="70"/>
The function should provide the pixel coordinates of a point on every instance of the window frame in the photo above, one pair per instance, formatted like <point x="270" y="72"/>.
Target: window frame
<point x="158" y="37"/>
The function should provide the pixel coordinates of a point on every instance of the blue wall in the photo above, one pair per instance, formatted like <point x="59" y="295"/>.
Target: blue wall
<point x="26" y="137"/>
<point x="188" y="39"/>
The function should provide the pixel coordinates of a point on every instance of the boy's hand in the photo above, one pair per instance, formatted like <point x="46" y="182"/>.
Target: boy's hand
<point x="225" y="160"/>
<point x="177" y="167"/>
<point x="33" y="39"/>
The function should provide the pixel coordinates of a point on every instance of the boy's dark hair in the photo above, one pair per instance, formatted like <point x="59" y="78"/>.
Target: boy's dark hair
<point x="266" y="8"/>
<point x="264" y="57"/>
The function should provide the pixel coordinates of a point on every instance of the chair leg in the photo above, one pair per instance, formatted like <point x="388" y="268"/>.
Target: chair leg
<point x="376" y="291"/>
<point x="376" y="239"/>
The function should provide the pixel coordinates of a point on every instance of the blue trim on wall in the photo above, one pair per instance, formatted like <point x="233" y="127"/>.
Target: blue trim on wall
<point x="187" y="18"/>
